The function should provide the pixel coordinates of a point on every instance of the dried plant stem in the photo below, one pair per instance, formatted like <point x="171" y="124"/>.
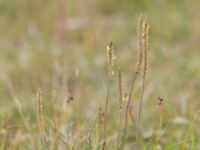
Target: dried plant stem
<point x="129" y="101"/>
<point x="110" y="58"/>
<point x="134" y="78"/>
<point x="40" y="118"/>
<point x="131" y="113"/>
<point x="127" y="110"/>
<point x="105" y="115"/>
<point x="145" y="30"/>
<point x="140" y="111"/>
<point x="120" y="89"/>
<point x="55" y="122"/>
<point x="120" y="102"/>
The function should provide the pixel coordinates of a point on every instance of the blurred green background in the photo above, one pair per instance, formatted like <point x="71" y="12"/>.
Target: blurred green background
<point x="62" y="44"/>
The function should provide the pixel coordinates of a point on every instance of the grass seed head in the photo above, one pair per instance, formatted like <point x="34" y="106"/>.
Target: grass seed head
<point x="140" y="42"/>
<point x="40" y="117"/>
<point x="145" y="43"/>
<point x="110" y="58"/>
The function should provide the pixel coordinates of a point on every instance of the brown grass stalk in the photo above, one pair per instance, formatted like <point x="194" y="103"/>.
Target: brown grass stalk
<point x="120" y="97"/>
<point x="134" y="78"/>
<point x="145" y="30"/>
<point x="120" y="104"/>
<point x="110" y="58"/>
<point x="40" y="118"/>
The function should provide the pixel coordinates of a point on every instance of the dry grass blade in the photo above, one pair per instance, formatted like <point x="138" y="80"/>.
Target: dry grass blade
<point x="40" y="117"/>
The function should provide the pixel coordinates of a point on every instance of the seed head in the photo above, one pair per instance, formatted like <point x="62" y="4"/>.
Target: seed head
<point x="40" y="117"/>
<point x="145" y="43"/>
<point x="140" y="41"/>
<point x="110" y="57"/>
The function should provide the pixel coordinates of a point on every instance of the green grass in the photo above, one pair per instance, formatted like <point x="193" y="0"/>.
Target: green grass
<point x="34" y="55"/>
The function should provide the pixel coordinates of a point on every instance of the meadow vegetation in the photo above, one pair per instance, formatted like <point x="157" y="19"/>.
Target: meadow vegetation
<point x="87" y="75"/>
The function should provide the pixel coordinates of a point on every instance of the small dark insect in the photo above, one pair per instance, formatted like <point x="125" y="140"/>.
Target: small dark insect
<point x="160" y="100"/>
<point x="71" y="98"/>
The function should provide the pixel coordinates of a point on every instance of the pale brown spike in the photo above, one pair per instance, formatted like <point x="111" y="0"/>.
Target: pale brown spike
<point x="140" y="42"/>
<point x="110" y="57"/>
<point x="40" y="117"/>
<point x="145" y="33"/>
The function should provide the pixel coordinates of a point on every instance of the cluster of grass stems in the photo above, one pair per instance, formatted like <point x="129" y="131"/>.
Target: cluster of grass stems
<point x="143" y="28"/>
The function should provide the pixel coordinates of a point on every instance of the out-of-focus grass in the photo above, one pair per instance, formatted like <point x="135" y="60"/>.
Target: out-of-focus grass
<point x="33" y="54"/>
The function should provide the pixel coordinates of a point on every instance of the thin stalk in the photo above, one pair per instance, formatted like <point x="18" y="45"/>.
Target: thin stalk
<point x="140" y="111"/>
<point x="40" y="118"/>
<point x="127" y="109"/>
<point x="105" y="116"/>
<point x="120" y="100"/>
<point x="110" y="58"/>
<point x="134" y="77"/>
<point x="145" y="30"/>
